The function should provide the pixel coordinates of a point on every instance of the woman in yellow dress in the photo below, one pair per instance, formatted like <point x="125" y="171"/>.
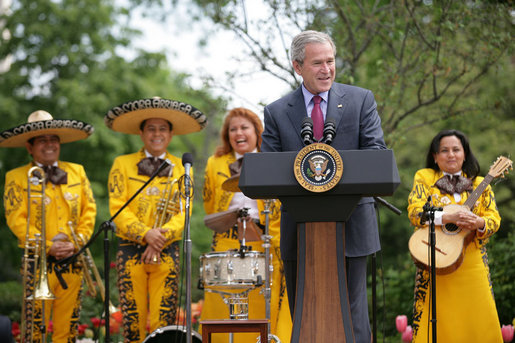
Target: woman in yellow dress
<point x="465" y="306"/>
<point x="241" y="133"/>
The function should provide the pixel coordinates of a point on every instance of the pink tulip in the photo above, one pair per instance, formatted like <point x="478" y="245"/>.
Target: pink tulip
<point x="401" y="322"/>
<point x="507" y="333"/>
<point x="407" y="335"/>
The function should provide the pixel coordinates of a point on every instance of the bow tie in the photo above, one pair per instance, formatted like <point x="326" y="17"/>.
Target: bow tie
<point x="149" y="165"/>
<point x="235" y="167"/>
<point x="55" y="175"/>
<point x="451" y="184"/>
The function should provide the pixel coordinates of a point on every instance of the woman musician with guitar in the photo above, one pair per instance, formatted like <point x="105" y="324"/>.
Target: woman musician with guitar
<point x="465" y="305"/>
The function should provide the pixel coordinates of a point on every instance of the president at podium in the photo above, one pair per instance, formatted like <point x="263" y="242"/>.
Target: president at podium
<point x="346" y="117"/>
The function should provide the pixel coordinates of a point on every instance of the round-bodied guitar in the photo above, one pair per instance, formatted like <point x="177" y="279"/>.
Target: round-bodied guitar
<point x="451" y="240"/>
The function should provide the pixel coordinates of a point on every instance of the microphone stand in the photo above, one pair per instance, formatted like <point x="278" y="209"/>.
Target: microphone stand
<point x="188" y="249"/>
<point x="104" y="227"/>
<point x="378" y="200"/>
<point x="429" y="214"/>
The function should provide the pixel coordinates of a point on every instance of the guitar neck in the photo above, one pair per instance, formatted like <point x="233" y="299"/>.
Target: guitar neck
<point x="476" y="193"/>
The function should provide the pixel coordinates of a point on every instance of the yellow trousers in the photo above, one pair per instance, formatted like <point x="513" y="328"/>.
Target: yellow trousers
<point x="148" y="292"/>
<point x="64" y="310"/>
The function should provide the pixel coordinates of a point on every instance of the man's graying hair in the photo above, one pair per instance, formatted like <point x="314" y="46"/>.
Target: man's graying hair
<point x="302" y="39"/>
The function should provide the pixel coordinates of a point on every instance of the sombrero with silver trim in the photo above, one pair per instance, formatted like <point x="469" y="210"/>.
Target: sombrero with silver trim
<point x="42" y="123"/>
<point x="127" y="117"/>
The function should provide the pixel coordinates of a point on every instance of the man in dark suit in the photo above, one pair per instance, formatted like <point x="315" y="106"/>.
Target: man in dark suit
<point x="358" y="126"/>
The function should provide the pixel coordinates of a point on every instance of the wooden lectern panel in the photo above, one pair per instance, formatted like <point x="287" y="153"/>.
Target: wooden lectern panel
<point x="322" y="312"/>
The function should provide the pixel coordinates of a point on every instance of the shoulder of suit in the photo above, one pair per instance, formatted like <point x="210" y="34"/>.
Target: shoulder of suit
<point x="426" y="173"/>
<point x="67" y="166"/>
<point x="288" y="98"/>
<point x="174" y="159"/>
<point x="132" y="156"/>
<point x="19" y="170"/>
<point x="348" y="88"/>
<point x="215" y="161"/>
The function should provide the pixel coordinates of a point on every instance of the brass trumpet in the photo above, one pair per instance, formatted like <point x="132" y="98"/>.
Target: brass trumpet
<point x="35" y="247"/>
<point x="89" y="266"/>
<point x="167" y="205"/>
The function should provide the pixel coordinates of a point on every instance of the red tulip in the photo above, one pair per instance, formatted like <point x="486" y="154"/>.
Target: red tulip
<point x="401" y="322"/>
<point x="507" y="333"/>
<point x="50" y="328"/>
<point x="117" y="316"/>
<point x="95" y="321"/>
<point x="407" y="335"/>
<point x="82" y="328"/>
<point x="15" y="329"/>
<point x="114" y="326"/>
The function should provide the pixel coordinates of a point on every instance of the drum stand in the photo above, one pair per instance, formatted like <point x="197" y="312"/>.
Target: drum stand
<point x="268" y="271"/>
<point x="242" y="214"/>
<point x="238" y="303"/>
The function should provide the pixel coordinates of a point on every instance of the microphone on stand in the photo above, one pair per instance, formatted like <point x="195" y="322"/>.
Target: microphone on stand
<point x="187" y="162"/>
<point x="306" y="131"/>
<point x="329" y="131"/>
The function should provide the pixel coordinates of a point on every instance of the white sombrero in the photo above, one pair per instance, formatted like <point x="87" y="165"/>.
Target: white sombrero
<point x="127" y="117"/>
<point x="42" y="123"/>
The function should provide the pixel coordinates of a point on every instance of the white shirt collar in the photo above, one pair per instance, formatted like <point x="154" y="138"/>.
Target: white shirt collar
<point x="308" y="95"/>
<point x="41" y="165"/>
<point x="455" y="174"/>
<point x="162" y="156"/>
<point x="238" y="156"/>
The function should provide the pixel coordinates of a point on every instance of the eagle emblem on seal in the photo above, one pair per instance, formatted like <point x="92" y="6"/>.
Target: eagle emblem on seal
<point x="318" y="167"/>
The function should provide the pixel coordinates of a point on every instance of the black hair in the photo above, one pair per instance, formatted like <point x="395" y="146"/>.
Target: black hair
<point x="142" y="125"/>
<point x="470" y="165"/>
<point x="32" y="139"/>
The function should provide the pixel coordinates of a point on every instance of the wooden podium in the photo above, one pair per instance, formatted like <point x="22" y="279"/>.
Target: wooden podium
<point x="322" y="312"/>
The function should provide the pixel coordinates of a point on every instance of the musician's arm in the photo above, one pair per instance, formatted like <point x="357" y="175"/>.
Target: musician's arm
<point x="419" y="194"/>
<point x="487" y="211"/>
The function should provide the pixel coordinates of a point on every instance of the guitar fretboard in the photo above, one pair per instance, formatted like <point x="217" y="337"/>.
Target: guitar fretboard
<point x="471" y="200"/>
<point x="476" y="193"/>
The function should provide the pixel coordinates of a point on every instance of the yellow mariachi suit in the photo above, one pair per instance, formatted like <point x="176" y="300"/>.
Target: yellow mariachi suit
<point x="217" y="200"/>
<point x="144" y="286"/>
<point x="68" y="203"/>
<point x="465" y="305"/>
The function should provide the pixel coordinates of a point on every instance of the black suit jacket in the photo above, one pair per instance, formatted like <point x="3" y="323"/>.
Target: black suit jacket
<point x="358" y="126"/>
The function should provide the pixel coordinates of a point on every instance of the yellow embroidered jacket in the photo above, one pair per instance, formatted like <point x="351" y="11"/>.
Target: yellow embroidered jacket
<point x="485" y="206"/>
<point x="217" y="200"/>
<point x="66" y="204"/>
<point x="139" y="216"/>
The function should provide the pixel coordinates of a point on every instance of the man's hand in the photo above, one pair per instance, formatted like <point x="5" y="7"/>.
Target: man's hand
<point x="151" y="256"/>
<point x="61" y="249"/>
<point x="155" y="238"/>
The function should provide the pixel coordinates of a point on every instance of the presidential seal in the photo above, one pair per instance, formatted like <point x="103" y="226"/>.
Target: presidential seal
<point x="318" y="167"/>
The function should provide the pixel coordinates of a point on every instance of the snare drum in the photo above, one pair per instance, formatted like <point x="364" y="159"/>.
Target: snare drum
<point x="172" y="334"/>
<point x="227" y="269"/>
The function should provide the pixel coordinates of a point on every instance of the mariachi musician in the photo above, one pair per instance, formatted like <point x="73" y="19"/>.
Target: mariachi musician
<point x="240" y="134"/>
<point x="68" y="205"/>
<point x="148" y="252"/>
<point x="465" y="304"/>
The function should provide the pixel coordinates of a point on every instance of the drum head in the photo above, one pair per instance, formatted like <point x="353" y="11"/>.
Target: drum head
<point x="172" y="334"/>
